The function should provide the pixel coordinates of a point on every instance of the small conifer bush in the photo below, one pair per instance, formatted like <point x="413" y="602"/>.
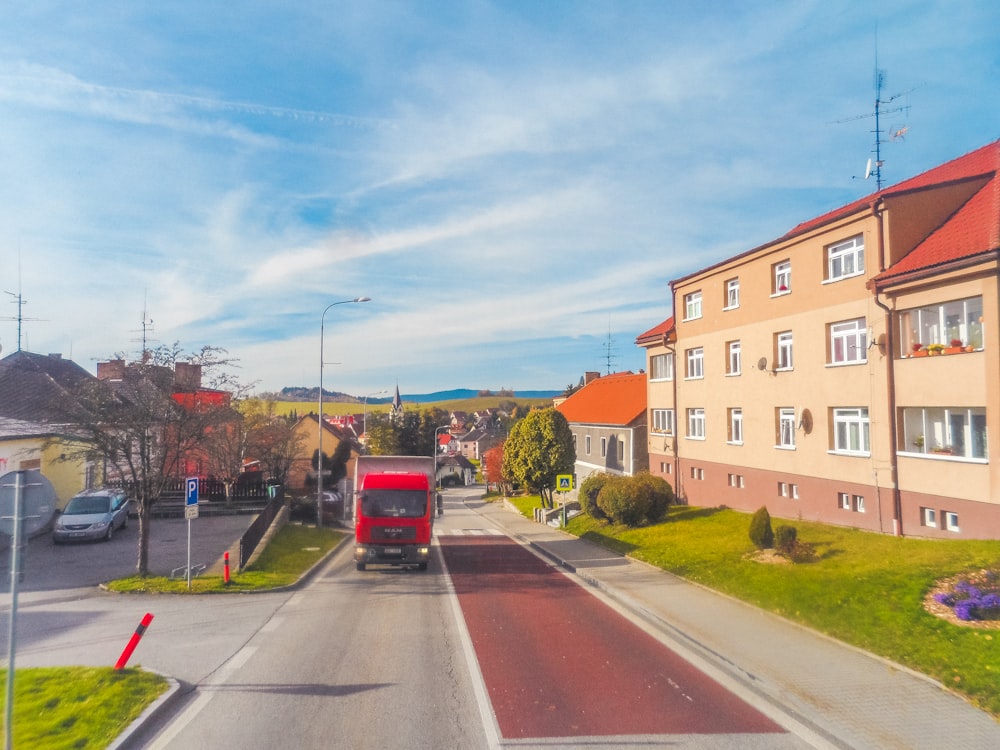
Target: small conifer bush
<point x="785" y="538"/>
<point x="761" y="533"/>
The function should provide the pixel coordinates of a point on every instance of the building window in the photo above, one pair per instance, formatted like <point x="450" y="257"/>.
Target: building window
<point x="845" y="259"/>
<point x="782" y="489"/>
<point x="695" y="363"/>
<point x="848" y="342"/>
<point x="794" y="491"/>
<point x="734" y="360"/>
<point x="736" y="480"/>
<point x="692" y="306"/>
<point x="587" y="444"/>
<point x="604" y="447"/>
<point x="736" y="426"/>
<point x="859" y="504"/>
<point x="959" y="320"/>
<point x="782" y="277"/>
<point x="929" y="516"/>
<point x="945" y="431"/>
<point x="951" y="521"/>
<point x="732" y="294"/>
<point x="786" y="428"/>
<point x="663" y="421"/>
<point x="843" y="501"/>
<point x="621" y="451"/>
<point x="783" y="350"/>
<point x="696" y="423"/>
<point x="851" y="431"/>
<point x="697" y="473"/>
<point x="661" y="367"/>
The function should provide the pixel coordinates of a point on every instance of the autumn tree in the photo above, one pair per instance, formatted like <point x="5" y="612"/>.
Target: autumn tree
<point x="492" y="468"/>
<point x="539" y="448"/>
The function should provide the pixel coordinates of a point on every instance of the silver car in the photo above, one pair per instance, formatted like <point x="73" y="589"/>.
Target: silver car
<point x="92" y="514"/>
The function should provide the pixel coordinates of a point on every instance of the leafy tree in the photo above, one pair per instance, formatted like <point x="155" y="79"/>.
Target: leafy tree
<point x="412" y="435"/>
<point x="590" y="488"/>
<point x="539" y="448"/>
<point x="141" y="433"/>
<point x="272" y="440"/>
<point x="493" y="470"/>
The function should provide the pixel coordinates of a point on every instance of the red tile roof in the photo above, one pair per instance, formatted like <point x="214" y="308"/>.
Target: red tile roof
<point x="656" y="334"/>
<point x="617" y="399"/>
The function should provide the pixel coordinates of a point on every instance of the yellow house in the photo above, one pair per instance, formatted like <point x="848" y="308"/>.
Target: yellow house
<point x="30" y="445"/>
<point x="805" y="374"/>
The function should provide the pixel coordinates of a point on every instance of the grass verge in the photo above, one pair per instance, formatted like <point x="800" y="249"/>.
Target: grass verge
<point x="864" y="589"/>
<point x="77" y="707"/>
<point x="290" y="553"/>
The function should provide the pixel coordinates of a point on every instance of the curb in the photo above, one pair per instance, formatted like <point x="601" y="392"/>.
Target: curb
<point x="153" y="710"/>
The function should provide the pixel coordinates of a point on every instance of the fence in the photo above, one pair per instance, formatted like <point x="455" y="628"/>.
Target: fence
<point x="252" y="536"/>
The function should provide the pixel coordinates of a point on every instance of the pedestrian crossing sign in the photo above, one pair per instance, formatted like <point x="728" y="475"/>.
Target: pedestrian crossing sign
<point x="564" y="482"/>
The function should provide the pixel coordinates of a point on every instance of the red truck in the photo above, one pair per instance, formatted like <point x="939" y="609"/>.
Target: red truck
<point x="394" y="510"/>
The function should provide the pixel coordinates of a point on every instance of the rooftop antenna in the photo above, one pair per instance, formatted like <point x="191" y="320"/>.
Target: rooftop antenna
<point x="20" y="301"/>
<point x="609" y="357"/>
<point x="875" y="166"/>
<point x="147" y="328"/>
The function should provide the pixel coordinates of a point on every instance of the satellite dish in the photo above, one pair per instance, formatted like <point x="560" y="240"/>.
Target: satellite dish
<point x="762" y="363"/>
<point x="806" y="421"/>
<point x="868" y="169"/>
<point x="38" y="501"/>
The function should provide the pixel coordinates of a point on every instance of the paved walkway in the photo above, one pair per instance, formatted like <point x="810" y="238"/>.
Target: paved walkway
<point x="840" y="696"/>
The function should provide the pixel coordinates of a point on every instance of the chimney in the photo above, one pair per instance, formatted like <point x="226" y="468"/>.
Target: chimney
<point x="113" y="370"/>
<point x="187" y="376"/>
<point x="589" y="377"/>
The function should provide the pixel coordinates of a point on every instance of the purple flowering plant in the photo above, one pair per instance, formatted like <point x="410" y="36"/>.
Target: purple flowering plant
<point x="977" y="599"/>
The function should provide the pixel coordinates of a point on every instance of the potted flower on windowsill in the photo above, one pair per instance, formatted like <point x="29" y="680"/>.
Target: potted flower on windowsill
<point x="918" y="350"/>
<point x="954" y="347"/>
<point x="942" y="450"/>
<point x="935" y="349"/>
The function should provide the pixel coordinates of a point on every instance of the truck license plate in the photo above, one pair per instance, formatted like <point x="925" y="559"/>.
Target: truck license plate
<point x="393" y="550"/>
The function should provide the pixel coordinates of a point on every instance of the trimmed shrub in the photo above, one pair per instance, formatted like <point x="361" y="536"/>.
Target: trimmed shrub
<point x="661" y="494"/>
<point x="785" y="538"/>
<point x="761" y="533"/>
<point x="623" y="501"/>
<point x="587" y="495"/>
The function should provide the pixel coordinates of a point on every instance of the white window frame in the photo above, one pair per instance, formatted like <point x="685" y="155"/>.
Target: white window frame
<point x="845" y="259"/>
<point x="782" y="278"/>
<point x="930" y="431"/>
<point x="732" y="294"/>
<point x="604" y="447"/>
<point x="586" y="442"/>
<point x="692" y="305"/>
<point x="843" y="500"/>
<point x="795" y="491"/>
<point x="929" y="517"/>
<point x="950" y="520"/>
<point x="734" y="358"/>
<point x="849" y="342"/>
<point x="695" y="363"/>
<point x="938" y="324"/>
<point x="736" y="426"/>
<point x="696" y="423"/>
<point x="661" y="366"/>
<point x="663" y="421"/>
<point x="786" y="428"/>
<point x="859" y="503"/>
<point x="852" y="431"/>
<point x="782" y="489"/>
<point x="783" y="346"/>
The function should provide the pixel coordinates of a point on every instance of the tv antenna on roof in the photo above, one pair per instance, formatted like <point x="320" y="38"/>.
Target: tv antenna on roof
<point x="898" y="134"/>
<point x="147" y="328"/>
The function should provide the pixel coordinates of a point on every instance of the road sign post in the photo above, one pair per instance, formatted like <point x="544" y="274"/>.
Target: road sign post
<point x="190" y="512"/>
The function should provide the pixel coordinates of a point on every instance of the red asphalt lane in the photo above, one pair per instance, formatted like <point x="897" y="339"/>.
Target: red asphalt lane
<point x="557" y="662"/>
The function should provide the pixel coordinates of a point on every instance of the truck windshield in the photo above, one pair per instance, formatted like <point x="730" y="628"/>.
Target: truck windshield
<point x="394" y="503"/>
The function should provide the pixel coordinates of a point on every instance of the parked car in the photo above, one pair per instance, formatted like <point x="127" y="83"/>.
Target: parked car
<point x="92" y="514"/>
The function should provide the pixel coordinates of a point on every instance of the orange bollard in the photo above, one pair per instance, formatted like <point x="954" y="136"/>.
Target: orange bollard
<point x="225" y="568"/>
<point x="134" y="641"/>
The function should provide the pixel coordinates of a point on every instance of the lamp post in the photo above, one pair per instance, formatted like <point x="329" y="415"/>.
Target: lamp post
<point x="319" y="453"/>
<point x="437" y="449"/>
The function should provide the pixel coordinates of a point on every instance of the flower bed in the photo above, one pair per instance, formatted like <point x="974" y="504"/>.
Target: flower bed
<point x="971" y="599"/>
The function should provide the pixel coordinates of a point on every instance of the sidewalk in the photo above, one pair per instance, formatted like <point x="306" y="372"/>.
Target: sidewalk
<point x="842" y="697"/>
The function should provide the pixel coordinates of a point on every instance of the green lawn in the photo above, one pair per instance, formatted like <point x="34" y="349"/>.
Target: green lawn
<point x="77" y="707"/>
<point x="864" y="589"/>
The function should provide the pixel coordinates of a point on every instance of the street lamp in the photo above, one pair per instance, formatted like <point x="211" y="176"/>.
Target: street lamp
<point x="437" y="496"/>
<point x="319" y="454"/>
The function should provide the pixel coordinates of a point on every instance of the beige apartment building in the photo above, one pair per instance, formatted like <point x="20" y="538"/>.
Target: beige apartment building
<point x="847" y="372"/>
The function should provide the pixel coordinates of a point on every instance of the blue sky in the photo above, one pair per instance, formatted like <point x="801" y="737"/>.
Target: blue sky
<point x="513" y="184"/>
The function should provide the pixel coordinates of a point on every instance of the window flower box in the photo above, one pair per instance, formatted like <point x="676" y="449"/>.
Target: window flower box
<point x="954" y="350"/>
<point x="920" y="353"/>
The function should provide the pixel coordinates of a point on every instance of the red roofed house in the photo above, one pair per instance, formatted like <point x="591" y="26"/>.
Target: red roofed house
<point x="608" y="420"/>
<point x="849" y="371"/>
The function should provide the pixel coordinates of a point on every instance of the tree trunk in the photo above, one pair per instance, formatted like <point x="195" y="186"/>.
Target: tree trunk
<point x="142" y="564"/>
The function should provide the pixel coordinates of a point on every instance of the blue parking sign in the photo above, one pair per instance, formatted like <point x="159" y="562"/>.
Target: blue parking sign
<point x="191" y="496"/>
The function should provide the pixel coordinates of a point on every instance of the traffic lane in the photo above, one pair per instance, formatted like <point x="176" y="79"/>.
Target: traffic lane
<point x="50" y="567"/>
<point x="559" y="663"/>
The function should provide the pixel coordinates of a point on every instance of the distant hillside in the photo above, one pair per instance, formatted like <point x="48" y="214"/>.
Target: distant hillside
<point x="455" y="394"/>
